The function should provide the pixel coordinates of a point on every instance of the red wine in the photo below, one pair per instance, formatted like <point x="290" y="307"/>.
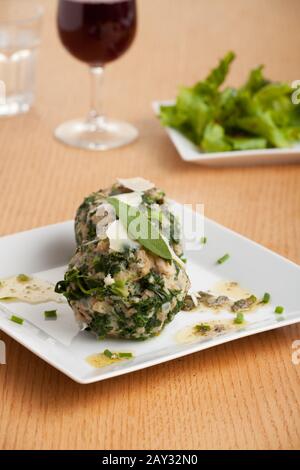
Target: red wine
<point x="96" y="31"/>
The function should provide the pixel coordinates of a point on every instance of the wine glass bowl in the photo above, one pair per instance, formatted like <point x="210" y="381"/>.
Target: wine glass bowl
<point x="96" y="32"/>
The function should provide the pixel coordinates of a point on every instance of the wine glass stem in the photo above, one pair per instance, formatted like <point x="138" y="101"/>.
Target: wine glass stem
<point x="96" y="113"/>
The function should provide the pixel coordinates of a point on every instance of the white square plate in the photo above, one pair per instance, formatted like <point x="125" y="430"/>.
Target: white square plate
<point x="189" y="152"/>
<point x="46" y="251"/>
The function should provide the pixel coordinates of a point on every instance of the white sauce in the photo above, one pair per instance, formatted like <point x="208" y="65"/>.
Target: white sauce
<point x="191" y="335"/>
<point x="231" y="289"/>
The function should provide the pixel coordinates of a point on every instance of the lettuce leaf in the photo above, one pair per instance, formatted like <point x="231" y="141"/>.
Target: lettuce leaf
<point x="214" y="139"/>
<point x="248" y="143"/>
<point x="259" y="114"/>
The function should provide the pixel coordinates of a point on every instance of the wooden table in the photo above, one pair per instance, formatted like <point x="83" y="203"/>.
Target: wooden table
<point x="240" y="395"/>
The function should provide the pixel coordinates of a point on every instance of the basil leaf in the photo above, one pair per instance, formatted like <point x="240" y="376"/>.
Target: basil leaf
<point x="140" y="228"/>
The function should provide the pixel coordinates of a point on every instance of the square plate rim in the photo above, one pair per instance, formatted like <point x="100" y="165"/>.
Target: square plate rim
<point x="197" y="347"/>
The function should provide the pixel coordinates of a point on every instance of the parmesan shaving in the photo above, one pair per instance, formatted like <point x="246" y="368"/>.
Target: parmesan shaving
<point x="132" y="199"/>
<point x="118" y="237"/>
<point x="136" y="184"/>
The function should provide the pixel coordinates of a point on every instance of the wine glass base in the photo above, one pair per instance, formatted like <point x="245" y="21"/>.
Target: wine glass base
<point x="96" y="134"/>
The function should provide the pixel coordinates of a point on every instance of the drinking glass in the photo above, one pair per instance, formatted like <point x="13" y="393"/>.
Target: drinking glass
<point x="20" y="28"/>
<point x="96" y="32"/>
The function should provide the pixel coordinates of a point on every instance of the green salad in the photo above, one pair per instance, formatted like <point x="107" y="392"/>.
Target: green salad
<point x="258" y="115"/>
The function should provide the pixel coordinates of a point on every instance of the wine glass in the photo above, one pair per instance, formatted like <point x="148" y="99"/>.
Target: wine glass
<point x="96" y="32"/>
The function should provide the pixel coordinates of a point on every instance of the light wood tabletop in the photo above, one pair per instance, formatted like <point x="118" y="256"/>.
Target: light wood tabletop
<point x="244" y="394"/>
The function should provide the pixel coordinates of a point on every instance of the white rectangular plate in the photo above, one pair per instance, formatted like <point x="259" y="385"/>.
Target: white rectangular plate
<point x="46" y="251"/>
<point x="189" y="152"/>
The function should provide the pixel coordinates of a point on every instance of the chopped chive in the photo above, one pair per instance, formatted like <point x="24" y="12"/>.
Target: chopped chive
<point x="50" y="314"/>
<point x="279" y="309"/>
<point x="223" y="259"/>
<point x="184" y="260"/>
<point x="108" y="353"/>
<point x="266" y="298"/>
<point x="239" y="319"/>
<point x="202" y="328"/>
<point x="16" y="319"/>
<point x="23" y="278"/>
<point x="125" y="355"/>
<point x="114" y="355"/>
<point x="203" y="240"/>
